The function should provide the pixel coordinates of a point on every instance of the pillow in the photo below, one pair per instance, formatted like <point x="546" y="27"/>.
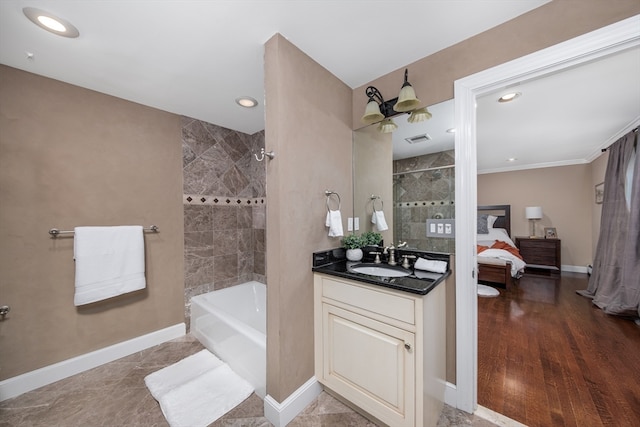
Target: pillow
<point x="491" y="219"/>
<point x="493" y="235"/>
<point x="483" y="224"/>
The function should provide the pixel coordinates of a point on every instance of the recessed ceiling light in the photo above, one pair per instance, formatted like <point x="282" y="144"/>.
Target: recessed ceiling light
<point x="511" y="159"/>
<point x="509" y="97"/>
<point x="51" y="23"/>
<point x="246" y="102"/>
<point x="451" y="130"/>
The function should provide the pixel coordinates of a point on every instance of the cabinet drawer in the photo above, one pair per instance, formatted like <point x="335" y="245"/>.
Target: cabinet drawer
<point x="380" y="302"/>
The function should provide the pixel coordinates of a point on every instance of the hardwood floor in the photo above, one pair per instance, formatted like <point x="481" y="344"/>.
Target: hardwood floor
<point x="548" y="357"/>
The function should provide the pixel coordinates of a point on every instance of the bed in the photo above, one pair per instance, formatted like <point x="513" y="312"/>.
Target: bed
<point x="497" y="263"/>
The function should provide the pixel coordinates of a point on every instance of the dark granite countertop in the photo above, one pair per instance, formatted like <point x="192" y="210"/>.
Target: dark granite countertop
<point x="418" y="282"/>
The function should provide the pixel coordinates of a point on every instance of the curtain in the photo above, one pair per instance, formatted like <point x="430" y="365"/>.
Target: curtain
<point x="614" y="284"/>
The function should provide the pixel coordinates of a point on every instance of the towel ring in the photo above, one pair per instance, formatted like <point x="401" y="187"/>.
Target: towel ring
<point x="329" y="194"/>
<point x="377" y="199"/>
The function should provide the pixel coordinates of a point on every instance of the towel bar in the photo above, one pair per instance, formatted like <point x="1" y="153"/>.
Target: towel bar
<point x="376" y="199"/>
<point x="55" y="232"/>
<point x="328" y="193"/>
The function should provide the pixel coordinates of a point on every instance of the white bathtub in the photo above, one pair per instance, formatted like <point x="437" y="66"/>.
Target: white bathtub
<point x="231" y="323"/>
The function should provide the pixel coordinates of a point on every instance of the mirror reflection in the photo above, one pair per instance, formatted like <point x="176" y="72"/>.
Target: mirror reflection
<point x="409" y="176"/>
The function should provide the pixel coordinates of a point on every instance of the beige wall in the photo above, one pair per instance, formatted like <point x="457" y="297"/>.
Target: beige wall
<point x="598" y="169"/>
<point x="311" y="136"/>
<point x="71" y="157"/>
<point x="563" y="192"/>
<point x="555" y="22"/>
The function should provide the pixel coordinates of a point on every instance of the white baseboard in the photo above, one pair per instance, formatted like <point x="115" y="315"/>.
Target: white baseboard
<point x="450" y="395"/>
<point x="281" y="414"/>
<point x="574" y="268"/>
<point x="20" y="384"/>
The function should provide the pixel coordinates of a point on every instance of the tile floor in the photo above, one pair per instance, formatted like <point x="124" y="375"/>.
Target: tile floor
<point x="115" y="395"/>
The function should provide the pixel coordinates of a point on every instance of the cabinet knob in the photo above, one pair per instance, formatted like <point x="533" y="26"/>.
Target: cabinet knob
<point x="407" y="346"/>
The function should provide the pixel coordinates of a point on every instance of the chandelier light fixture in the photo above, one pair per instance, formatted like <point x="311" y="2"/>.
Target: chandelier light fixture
<point x="380" y="111"/>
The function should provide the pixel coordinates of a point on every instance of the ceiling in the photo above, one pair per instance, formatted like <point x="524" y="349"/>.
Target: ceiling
<point x="563" y="118"/>
<point x="194" y="57"/>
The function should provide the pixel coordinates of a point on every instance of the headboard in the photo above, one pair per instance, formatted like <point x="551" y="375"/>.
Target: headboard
<point x="503" y="212"/>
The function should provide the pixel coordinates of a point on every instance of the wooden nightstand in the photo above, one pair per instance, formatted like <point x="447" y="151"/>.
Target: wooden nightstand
<point x="540" y="254"/>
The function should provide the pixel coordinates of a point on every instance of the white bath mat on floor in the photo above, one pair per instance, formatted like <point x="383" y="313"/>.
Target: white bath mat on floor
<point x="197" y="390"/>
<point x="487" y="291"/>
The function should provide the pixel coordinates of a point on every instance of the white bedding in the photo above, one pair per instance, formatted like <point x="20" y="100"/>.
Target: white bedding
<point x="490" y="256"/>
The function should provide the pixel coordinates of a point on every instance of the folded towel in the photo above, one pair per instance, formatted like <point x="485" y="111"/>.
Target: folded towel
<point x="197" y="390"/>
<point x="334" y="222"/>
<point x="430" y="265"/>
<point x="160" y="382"/>
<point x="378" y="219"/>
<point x="109" y="262"/>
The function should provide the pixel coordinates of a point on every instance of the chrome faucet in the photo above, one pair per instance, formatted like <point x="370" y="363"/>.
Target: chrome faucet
<point x="391" y="251"/>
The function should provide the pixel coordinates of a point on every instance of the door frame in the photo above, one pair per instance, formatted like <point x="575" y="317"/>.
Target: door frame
<point x="597" y="44"/>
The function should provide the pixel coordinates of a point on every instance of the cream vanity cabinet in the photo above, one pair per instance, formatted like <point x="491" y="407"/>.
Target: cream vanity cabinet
<point x="381" y="349"/>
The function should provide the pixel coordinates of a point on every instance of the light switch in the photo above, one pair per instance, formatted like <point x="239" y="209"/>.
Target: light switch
<point x="432" y="228"/>
<point x="356" y="223"/>
<point x="350" y="224"/>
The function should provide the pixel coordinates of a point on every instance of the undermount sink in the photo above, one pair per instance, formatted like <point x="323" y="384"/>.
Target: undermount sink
<point x="380" y="270"/>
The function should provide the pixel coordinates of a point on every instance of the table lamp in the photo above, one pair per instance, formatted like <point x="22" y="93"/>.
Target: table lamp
<point x="533" y="213"/>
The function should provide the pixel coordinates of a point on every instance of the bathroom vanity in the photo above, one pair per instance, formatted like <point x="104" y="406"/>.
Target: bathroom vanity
<point x="380" y="342"/>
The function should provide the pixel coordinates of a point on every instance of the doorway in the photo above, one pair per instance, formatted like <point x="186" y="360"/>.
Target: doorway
<point x="591" y="46"/>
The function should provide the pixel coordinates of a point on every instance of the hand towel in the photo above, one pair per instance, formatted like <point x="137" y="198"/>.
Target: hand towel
<point x="377" y="218"/>
<point x="334" y="222"/>
<point x="160" y="382"/>
<point x="109" y="262"/>
<point x="430" y="265"/>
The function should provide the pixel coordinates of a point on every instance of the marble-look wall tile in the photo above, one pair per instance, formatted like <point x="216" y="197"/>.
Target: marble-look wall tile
<point x="221" y="247"/>
<point x="421" y="194"/>
<point x="225" y="267"/>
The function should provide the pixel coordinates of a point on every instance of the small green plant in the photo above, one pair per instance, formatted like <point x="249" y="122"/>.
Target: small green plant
<point x="371" y="238"/>
<point x="352" y="241"/>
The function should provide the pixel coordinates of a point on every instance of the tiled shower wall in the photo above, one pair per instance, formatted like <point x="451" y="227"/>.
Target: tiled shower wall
<point x="224" y="208"/>
<point x="423" y="188"/>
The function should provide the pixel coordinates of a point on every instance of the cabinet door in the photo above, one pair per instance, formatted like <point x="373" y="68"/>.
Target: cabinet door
<point x="371" y="364"/>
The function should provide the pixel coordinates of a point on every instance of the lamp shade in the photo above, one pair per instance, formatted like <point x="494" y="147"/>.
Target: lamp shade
<point x="387" y="126"/>
<point x="419" y="115"/>
<point x="533" y="212"/>
<point x="372" y="113"/>
<point x="407" y="100"/>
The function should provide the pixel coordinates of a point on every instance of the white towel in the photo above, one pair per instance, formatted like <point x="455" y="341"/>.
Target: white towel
<point x="430" y="265"/>
<point x="197" y="390"/>
<point x="334" y="222"/>
<point x="377" y="218"/>
<point x="109" y="262"/>
<point x="166" y="379"/>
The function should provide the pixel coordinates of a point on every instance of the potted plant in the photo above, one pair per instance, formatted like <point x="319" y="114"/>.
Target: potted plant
<point x="371" y="238"/>
<point x="353" y="244"/>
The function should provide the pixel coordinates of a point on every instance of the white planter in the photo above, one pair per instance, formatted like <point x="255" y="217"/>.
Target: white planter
<point x="354" y="254"/>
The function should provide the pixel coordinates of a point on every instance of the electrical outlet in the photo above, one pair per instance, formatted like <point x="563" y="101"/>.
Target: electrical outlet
<point x="443" y="228"/>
